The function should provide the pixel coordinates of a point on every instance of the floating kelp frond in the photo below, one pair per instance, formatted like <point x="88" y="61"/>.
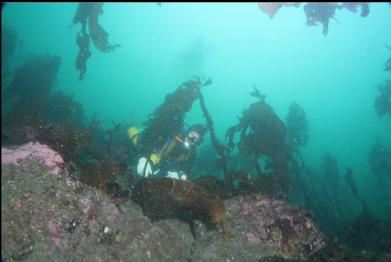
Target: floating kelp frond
<point x="271" y="8"/>
<point x="82" y="13"/>
<point x="83" y="41"/>
<point x="98" y="35"/>
<point x="352" y="6"/>
<point x="89" y="12"/>
<point x="320" y="13"/>
<point x="317" y="12"/>
<point x="162" y="196"/>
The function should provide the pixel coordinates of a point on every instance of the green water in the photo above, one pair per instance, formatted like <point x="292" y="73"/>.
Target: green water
<point x="333" y="78"/>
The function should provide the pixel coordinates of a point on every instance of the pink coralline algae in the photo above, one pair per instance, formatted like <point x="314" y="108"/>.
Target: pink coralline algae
<point x="42" y="152"/>
<point x="52" y="226"/>
<point x="57" y="241"/>
<point x="253" y="239"/>
<point x="18" y="206"/>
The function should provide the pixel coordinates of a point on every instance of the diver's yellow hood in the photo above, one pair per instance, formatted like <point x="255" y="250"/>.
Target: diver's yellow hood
<point x="133" y="134"/>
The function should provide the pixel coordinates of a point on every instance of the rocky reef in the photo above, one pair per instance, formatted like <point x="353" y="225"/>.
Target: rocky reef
<point x="48" y="215"/>
<point x="258" y="227"/>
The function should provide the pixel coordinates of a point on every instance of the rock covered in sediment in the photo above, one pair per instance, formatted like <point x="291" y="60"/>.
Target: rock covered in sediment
<point x="46" y="217"/>
<point x="257" y="228"/>
<point x="57" y="218"/>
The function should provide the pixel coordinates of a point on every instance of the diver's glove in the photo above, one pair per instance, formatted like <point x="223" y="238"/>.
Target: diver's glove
<point x="177" y="175"/>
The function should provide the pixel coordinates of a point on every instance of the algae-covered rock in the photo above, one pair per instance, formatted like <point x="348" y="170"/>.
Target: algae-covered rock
<point x="55" y="217"/>
<point x="46" y="217"/>
<point x="260" y="228"/>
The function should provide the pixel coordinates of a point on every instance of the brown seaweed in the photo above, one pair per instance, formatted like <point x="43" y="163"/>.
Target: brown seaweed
<point x="320" y="13"/>
<point x="9" y="43"/>
<point x="83" y="41"/>
<point x="162" y="197"/>
<point x="383" y="100"/>
<point x="102" y="174"/>
<point x="219" y="147"/>
<point x="99" y="36"/>
<point x="35" y="78"/>
<point x="262" y="138"/>
<point x="89" y="13"/>
<point x="379" y="159"/>
<point x="353" y="6"/>
<point x="317" y="12"/>
<point x="353" y="186"/>
<point x="271" y="8"/>
<point x="297" y="126"/>
<point x="168" y="119"/>
<point x="387" y="66"/>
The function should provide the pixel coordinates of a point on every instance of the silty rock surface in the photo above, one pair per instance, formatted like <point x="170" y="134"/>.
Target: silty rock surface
<point x="57" y="218"/>
<point x="258" y="228"/>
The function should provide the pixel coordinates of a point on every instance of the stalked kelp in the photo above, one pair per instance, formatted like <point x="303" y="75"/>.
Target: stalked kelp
<point x="26" y="95"/>
<point x="164" y="197"/>
<point x="383" y="100"/>
<point x="218" y="146"/>
<point x="379" y="160"/>
<point x="60" y="104"/>
<point x="298" y="134"/>
<point x="9" y="44"/>
<point x="330" y="172"/>
<point x="34" y="112"/>
<point x="89" y="13"/>
<point x="351" y="181"/>
<point x="168" y="119"/>
<point x="262" y="139"/>
<point x="331" y="185"/>
<point x="35" y="78"/>
<point x="387" y="66"/>
<point x="369" y="232"/>
<point x="297" y="126"/>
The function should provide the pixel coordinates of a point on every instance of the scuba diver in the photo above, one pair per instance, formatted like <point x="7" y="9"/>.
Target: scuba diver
<point x="174" y="158"/>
